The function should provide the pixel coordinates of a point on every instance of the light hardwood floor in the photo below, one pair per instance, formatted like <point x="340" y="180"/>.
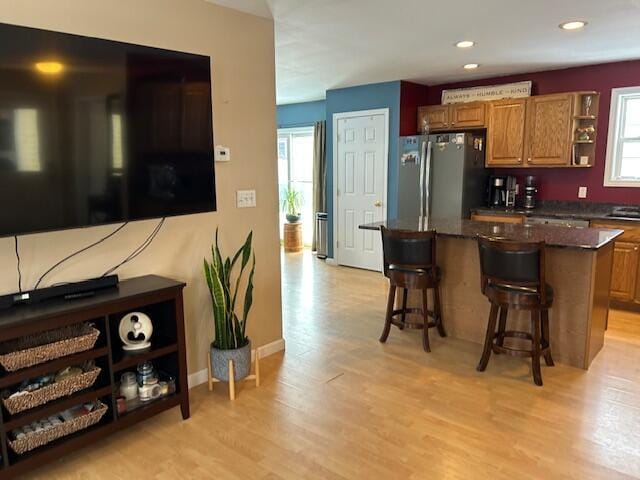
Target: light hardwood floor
<point x="340" y="405"/>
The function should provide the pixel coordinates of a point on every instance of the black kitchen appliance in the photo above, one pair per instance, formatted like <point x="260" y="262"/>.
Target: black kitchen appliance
<point x="530" y="191"/>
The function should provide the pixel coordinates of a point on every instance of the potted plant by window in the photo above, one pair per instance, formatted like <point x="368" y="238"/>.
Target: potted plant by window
<point x="231" y="342"/>
<point x="291" y="204"/>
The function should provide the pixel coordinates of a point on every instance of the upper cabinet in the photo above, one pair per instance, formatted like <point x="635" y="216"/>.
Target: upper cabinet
<point x="556" y="130"/>
<point x="505" y="132"/>
<point x="467" y="115"/>
<point x="436" y="116"/>
<point x="549" y="130"/>
<point x="455" y="116"/>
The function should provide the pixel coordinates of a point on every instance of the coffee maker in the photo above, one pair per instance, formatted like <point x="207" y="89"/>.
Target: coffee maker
<point x="511" y="190"/>
<point x="497" y="191"/>
<point x="502" y="191"/>
<point x="530" y="190"/>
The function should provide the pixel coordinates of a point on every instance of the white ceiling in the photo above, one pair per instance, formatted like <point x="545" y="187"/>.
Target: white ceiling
<point x="325" y="44"/>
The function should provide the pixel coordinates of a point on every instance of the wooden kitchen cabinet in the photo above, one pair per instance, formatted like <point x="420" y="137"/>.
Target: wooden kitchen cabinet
<point x="436" y="116"/>
<point x="505" y="132"/>
<point x="549" y="130"/>
<point x="625" y="284"/>
<point x="454" y="116"/>
<point x="467" y="115"/>
<point x="625" y="271"/>
<point x="537" y="131"/>
<point x="517" y="219"/>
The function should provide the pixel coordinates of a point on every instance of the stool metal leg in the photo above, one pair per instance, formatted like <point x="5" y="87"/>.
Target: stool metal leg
<point x="425" y="316"/>
<point x="390" y="304"/>
<point x="488" y="340"/>
<point x="535" y="359"/>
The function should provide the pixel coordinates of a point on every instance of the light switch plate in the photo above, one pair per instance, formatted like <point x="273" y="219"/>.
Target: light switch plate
<point x="246" y="198"/>
<point x="582" y="192"/>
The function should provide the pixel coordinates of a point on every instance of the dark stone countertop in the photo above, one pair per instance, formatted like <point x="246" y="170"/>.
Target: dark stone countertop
<point x="553" y="235"/>
<point x="559" y="209"/>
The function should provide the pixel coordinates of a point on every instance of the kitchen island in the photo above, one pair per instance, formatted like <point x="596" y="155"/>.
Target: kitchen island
<point x="578" y="266"/>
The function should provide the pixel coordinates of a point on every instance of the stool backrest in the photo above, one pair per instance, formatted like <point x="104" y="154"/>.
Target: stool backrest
<point x="409" y="250"/>
<point x="512" y="263"/>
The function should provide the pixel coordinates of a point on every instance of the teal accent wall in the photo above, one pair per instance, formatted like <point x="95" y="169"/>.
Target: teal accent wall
<point x="365" y="97"/>
<point x="301" y="114"/>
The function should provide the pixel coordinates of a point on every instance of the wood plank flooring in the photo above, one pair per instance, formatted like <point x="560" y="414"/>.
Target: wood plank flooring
<point x="339" y="405"/>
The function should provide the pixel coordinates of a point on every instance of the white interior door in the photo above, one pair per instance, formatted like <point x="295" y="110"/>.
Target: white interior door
<point x="361" y="181"/>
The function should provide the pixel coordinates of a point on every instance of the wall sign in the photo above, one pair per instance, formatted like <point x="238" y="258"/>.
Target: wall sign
<point x="492" y="92"/>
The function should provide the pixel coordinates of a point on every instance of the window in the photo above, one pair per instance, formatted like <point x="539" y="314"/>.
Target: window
<point x="623" y="147"/>
<point x="27" y="140"/>
<point x="295" y="170"/>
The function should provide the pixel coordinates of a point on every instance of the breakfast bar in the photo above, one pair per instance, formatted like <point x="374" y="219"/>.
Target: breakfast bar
<point x="578" y="265"/>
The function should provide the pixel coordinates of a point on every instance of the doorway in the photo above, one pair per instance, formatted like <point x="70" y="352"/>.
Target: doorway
<point x="295" y="172"/>
<point x="361" y="151"/>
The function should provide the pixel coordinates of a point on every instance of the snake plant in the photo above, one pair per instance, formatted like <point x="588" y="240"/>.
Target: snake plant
<point x="229" y="327"/>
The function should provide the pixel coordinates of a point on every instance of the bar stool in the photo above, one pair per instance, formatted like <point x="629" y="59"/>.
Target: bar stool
<point x="409" y="263"/>
<point x="513" y="276"/>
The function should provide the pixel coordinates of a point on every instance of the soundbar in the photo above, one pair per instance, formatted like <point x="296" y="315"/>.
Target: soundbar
<point x="68" y="291"/>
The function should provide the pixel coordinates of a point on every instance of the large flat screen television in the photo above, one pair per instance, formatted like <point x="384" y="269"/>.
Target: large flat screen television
<point x="95" y="131"/>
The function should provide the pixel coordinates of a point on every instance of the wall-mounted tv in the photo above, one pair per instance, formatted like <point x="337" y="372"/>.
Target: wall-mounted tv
<point x="95" y="131"/>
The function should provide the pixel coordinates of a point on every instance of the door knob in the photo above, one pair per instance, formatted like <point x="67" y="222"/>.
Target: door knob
<point x="377" y="203"/>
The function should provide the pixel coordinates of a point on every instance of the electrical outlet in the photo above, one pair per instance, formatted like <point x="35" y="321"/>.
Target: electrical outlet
<point x="246" y="198"/>
<point x="582" y="192"/>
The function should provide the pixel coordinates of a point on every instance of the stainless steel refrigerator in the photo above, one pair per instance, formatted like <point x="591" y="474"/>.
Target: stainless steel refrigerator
<point x="441" y="175"/>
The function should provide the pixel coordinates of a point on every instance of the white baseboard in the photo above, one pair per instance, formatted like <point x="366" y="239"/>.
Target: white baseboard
<point x="331" y="261"/>
<point x="200" y="377"/>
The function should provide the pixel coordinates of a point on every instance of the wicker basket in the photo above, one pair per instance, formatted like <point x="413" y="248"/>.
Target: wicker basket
<point x="38" y="439"/>
<point x="56" y="390"/>
<point x="44" y="346"/>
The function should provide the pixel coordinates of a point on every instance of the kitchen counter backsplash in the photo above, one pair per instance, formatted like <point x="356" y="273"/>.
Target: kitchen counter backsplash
<point x="563" y="209"/>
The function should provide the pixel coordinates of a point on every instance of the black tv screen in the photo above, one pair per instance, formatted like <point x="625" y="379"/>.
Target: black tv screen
<point x="95" y="131"/>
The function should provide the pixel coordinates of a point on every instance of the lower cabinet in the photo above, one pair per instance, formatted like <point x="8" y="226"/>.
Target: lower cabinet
<point x="625" y="271"/>
<point x="498" y="218"/>
<point x="625" y="284"/>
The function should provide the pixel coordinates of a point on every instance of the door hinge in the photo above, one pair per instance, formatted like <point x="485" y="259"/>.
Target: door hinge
<point x="337" y="244"/>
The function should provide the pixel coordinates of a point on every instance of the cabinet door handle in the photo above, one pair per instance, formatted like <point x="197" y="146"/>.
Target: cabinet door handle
<point x="529" y="160"/>
<point x="377" y="203"/>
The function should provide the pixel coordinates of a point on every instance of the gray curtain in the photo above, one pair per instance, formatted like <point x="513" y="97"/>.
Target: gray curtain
<point x="319" y="175"/>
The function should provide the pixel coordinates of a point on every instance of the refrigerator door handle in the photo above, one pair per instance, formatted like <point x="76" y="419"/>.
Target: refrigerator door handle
<point x="422" y="168"/>
<point x="426" y="181"/>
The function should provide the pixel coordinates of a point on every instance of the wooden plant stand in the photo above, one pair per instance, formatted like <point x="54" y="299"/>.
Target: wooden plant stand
<point x="293" y="237"/>
<point x="232" y="381"/>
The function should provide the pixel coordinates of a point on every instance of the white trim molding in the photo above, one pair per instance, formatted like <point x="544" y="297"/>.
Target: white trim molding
<point x="336" y="118"/>
<point x="616" y="122"/>
<point x="201" y="376"/>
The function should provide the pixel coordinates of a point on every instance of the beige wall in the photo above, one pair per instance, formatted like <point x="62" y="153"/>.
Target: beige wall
<point x="242" y="52"/>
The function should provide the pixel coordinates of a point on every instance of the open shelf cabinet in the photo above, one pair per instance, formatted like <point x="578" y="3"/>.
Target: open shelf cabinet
<point x="158" y="297"/>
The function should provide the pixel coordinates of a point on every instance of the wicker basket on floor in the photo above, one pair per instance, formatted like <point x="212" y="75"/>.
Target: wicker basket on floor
<point x="44" y="346"/>
<point x="41" y="438"/>
<point x="56" y="390"/>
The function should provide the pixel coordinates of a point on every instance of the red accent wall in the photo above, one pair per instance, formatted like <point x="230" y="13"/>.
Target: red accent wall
<point x="412" y="95"/>
<point x="562" y="184"/>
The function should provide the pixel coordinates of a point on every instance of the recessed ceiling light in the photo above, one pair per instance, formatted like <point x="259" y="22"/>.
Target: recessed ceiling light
<point x="471" y="66"/>
<point x="465" y="44"/>
<point x="573" y="25"/>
